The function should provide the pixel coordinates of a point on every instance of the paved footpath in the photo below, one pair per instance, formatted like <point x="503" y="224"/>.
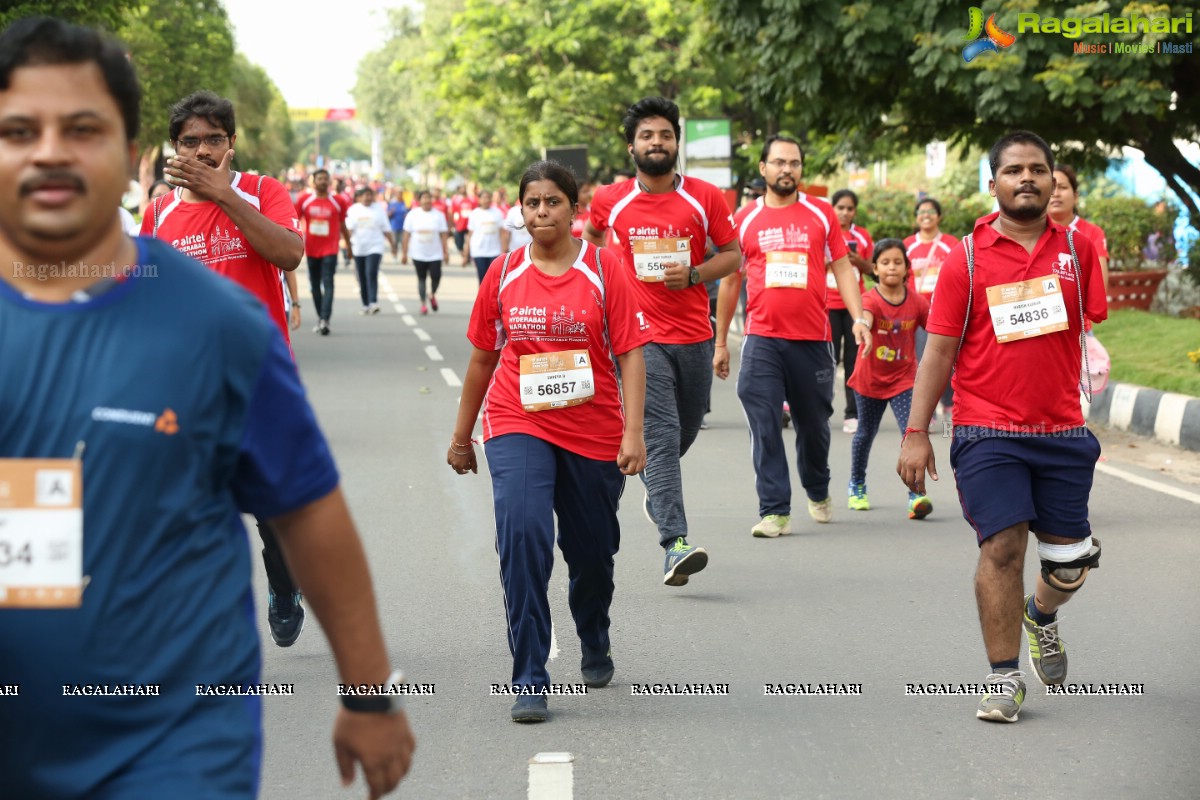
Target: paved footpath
<point x="872" y="600"/>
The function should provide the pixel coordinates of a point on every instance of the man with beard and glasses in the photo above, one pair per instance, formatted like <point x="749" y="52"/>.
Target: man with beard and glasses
<point x="1009" y="315"/>
<point x="245" y="228"/>
<point x="661" y="223"/>
<point x="144" y="404"/>
<point x="788" y="238"/>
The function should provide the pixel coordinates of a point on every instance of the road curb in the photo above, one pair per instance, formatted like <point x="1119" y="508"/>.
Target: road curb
<point x="1170" y="418"/>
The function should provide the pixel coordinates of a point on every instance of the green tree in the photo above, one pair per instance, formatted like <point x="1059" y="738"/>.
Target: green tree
<point x="884" y="76"/>
<point x="106" y="14"/>
<point x="178" y="47"/>
<point x="265" y="137"/>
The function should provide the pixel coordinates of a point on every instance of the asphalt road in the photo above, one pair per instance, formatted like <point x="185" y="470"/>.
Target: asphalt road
<point x="871" y="599"/>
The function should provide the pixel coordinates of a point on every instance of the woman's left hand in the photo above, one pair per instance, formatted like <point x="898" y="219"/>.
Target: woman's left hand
<point x="461" y="462"/>
<point x="631" y="458"/>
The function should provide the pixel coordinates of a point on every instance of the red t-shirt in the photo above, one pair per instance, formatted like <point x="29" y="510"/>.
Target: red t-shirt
<point x="691" y="215"/>
<point x="544" y="314"/>
<point x="440" y="205"/>
<point x="460" y="210"/>
<point x="858" y="240"/>
<point x="890" y="366"/>
<point x="207" y="234"/>
<point x="1093" y="232"/>
<point x="1026" y="385"/>
<point x="786" y="299"/>
<point x="322" y="218"/>
<point x="927" y="259"/>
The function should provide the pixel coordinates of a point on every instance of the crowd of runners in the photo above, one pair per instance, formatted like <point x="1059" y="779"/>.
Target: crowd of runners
<point x="595" y="340"/>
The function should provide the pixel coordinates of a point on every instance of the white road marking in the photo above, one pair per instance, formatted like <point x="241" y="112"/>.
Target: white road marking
<point x="400" y="309"/>
<point x="1146" y="483"/>
<point x="452" y="380"/>
<point x="551" y="777"/>
<point x="433" y="353"/>
<point x="553" y="643"/>
<point x="408" y="319"/>
<point x="422" y="335"/>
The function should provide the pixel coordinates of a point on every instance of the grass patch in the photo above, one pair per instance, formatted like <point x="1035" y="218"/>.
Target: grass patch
<point x="1152" y="350"/>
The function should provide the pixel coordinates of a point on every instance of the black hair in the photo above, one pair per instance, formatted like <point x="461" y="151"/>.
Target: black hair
<point x="1072" y="178"/>
<point x="46" y="41"/>
<point x="931" y="201"/>
<point x="628" y="174"/>
<point x="562" y="177"/>
<point x="206" y="105"/>
<point x="883" y="245"/>
<point x="766" y="151"/>
<point x="840" y="193"/>
<point x="649" y="107"/>
<point x="1018" y="137"/>
<point x="320" y="172"/>
<point x="156" y="184"/>
<point x="422" y="193"/>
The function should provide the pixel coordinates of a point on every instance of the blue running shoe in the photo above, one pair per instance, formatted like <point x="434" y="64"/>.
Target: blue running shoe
<point x="286" y="618"/>
<point x="683" y="560"/>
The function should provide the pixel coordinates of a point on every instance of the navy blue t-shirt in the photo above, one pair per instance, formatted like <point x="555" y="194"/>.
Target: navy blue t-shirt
<point x="190" y="412"/>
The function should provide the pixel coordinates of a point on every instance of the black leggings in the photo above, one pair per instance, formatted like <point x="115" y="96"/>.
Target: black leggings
<point x="845" y="350"/>
<point x="432" y="269"/>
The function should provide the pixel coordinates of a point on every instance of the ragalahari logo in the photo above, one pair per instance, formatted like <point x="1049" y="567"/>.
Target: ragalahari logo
<point x="983" y="37"/>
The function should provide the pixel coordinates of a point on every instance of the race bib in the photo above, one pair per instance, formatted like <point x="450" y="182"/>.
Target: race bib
<point x="318" y="227"/>
<point x="787" y="269"/>
<point x="928" y="281"/>
<point x="651" y="257"/>
<point x="556" y="380"/>
<point x="1030" y="308"/>
<point x="425" y="237"/>
<point x="41" y="533"/>
<point x="489" y="228"/>
<point x="831" y="279"/>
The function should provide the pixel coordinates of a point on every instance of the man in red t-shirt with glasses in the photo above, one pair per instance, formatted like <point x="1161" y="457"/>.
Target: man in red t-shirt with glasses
<point x="245" y="228"/>
<point x="1009" y="314"/>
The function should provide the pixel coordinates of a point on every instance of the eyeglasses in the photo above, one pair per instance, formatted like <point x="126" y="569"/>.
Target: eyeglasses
<point x="191" y="142"/>
<point x="779" y="163"/>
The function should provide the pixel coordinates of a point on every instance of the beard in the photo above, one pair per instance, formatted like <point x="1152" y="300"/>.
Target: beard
<point x="783" y="187"/>
<point x="1024" y="213"/>
<point x="655" y="164"/>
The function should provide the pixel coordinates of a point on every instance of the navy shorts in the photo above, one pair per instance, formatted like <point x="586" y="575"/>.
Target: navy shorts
<point x="1043" y="479"/>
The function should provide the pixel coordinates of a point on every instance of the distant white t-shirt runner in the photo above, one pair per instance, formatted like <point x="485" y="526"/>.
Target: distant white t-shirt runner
<point x="425" y="229"/>
<point x="653" y="231"/>
<point x="518" y="234"/>
<point x="484" y="225"/>
<point x="367" y="225"/>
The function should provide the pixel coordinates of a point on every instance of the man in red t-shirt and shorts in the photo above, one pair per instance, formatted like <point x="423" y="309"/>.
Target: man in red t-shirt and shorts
<point x="661" y="224"/>
<point x="245" y="228"/>
<point x="1009" y="315"/>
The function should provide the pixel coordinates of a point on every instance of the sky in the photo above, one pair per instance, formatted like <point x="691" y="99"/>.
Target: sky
<point x="296" y="44"/>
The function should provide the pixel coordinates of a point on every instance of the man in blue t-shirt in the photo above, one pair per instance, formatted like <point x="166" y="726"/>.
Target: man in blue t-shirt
<point x="145" y="404"/>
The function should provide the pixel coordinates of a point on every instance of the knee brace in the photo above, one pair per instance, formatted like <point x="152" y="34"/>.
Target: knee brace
<point x="1065" y="566"/>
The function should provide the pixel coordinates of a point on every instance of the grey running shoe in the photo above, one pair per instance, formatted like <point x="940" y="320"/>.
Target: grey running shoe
<point x="1047" y="652"/>
<point x="683" y="560"/>
<point x="1003" y="701"/>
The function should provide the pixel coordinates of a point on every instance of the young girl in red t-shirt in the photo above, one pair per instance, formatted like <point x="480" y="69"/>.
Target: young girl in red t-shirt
<point x="885" y="374"/>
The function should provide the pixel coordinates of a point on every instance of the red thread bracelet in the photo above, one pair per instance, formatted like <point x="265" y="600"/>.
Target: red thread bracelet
<point x="907" y="431"/>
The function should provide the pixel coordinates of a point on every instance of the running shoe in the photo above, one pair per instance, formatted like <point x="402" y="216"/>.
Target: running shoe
<point x="787" y="414"/>
<point x="433" y="302"/>
<point x="648" y="511"/>
<point x="362" y="312"/>
<point x="919" y="506"/>
<point x="597" y="667"/>
<point x="1047" y="652"/>
<point x="424" y="310"/>
<point x="821" y="511"/>
<point x="530" y="708"/>
<point x="1003" y="701"/>
<point x="374" y="308"/>
<point x="285" y="615"/>
<point x="319" y="327"/>
<point x="683" y="560"/>
<point x="772" y="525"/>
<point x="858" y="497"/>
<point x="324" y="327"/>
<point x="850" y="426"/>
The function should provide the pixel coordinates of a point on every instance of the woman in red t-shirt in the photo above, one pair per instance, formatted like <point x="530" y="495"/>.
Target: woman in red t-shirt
<point x="1062" y="209"/>
<point x="551" y="324"/>
<point x="886" y="373"/>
